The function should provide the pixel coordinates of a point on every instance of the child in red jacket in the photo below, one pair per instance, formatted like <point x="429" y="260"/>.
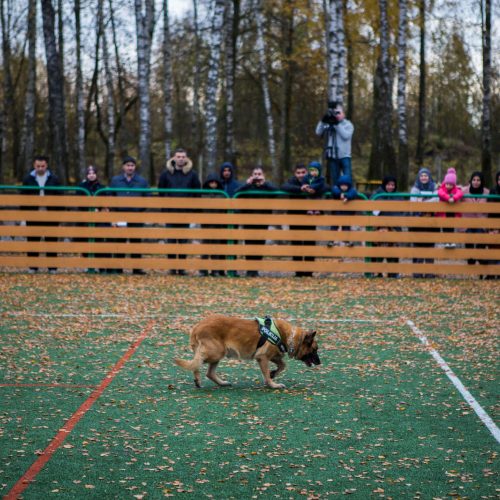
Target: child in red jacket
<point x="449" y="192"/>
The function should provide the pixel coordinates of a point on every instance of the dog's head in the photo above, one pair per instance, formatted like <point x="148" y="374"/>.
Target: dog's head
<point x="308" y="350"/>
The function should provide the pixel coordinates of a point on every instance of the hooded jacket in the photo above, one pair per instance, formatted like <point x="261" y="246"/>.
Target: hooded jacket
<point x="229" y="186"/>
<point x="30" y="180"/>
<point x="470" y="190"/>
<point x="186" y="178"/>
<point x="211" y="178"/>
<point x="350" y="194"/>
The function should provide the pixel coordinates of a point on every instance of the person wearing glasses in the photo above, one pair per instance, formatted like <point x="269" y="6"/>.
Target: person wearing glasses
<point x="336" y="131"/>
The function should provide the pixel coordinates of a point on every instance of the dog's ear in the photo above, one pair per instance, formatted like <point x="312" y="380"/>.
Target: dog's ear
<point x="310" y="335"/>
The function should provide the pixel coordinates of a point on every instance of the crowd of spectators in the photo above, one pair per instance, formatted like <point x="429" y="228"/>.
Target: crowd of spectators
<point x="180" y="179"/>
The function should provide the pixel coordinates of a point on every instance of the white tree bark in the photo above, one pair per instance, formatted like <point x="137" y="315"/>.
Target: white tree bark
<point x="213" y="83"/>
<point x="336" y="57"/>
<point x="402" y="122"/>
<point x="144" y="17"/>
<point x="264" y="81"/>
<point x="110" y="105"/>
<point x="167" y="82"/>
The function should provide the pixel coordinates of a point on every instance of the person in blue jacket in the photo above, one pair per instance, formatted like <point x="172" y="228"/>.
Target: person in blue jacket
<point x="345" y="191"/>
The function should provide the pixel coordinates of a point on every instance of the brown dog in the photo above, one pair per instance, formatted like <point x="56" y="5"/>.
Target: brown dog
<point x="217" y="337"/>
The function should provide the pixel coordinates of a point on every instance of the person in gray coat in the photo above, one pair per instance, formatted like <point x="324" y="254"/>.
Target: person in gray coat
<point x="337" y="132"/>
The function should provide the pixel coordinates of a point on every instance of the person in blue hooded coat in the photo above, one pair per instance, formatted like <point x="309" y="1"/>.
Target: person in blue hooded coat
<point x="228" y="178"/>
<point x="345" y="191"/>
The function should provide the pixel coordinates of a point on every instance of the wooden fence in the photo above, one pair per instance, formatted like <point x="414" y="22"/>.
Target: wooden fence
<point x="264" y="234"/>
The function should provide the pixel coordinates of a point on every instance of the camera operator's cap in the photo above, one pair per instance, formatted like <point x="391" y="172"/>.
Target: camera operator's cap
<point x="129" y="159"/>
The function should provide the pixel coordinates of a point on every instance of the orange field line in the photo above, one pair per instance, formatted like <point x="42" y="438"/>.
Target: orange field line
<point x="63" y="433"/>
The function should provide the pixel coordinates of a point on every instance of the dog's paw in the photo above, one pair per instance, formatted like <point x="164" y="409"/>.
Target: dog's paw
<point x="277" y="386"/>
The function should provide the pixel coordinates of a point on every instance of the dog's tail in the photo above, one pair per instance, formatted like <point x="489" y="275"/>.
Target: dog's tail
<point x="193" y="364"/>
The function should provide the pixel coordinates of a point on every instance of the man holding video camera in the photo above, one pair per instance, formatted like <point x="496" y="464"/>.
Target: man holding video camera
<point x="337" y="131"/>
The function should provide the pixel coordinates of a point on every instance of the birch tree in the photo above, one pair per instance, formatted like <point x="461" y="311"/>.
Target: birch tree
<point x="382" y="157"/>
<point x="264" y="81"/>
<point x="80" y="111"/>
<point x="487" y="71"/>
<point x="55" y="78"/>
<point x="167" y="82"/>
<point x="195" y="115"/>
<point x="403" y="161"/>
<point x="28" y="131"/>
<point x="336" y="50"/>
<point x="232" y="32"/>
<point x="144" y="16"/>
<point x="216" y="36"/>
<point x="422" y="90"/>
<point x="110" y="101"/>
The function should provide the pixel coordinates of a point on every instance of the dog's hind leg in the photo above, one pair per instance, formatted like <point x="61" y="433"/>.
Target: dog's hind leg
<point x="214" y="377"/>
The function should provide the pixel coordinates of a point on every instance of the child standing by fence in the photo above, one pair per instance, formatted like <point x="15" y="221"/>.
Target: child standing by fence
<point x="450" y="193"/>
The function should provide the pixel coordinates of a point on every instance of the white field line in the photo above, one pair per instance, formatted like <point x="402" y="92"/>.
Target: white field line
<point x="469" y="398"/>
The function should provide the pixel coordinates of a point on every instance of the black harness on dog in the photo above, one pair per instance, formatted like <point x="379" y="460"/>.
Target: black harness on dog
<point x="269" y="332"/>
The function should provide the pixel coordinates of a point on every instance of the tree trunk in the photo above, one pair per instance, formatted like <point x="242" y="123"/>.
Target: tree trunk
<point x="336" y="50"/>
<point x="382" y="157"/>
<point x="80" y="111"/>
<point x="403" y="161"/>
<point x="195" y="116"/>
<point x="422" y="90"/>
<point x="110" y="101"/>
<point x="232" y="32"/>
<point x="212" y="84"/>
<point x="167" y="82"/>
<point x="28" y="132"/>
<point x="144" y="25"/>
<point x="56" y="92"/>
<point x="487" y="72"/>
<point x="288" y="30"/>
<point x="264" y="81"/>
<point x="11" y="121"/>
<point x="121" y="86"/>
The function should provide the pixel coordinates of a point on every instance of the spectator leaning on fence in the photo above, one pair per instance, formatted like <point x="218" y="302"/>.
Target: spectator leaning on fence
<point x="389" y="185"/>
<point x="421" y="191"/>
<point x="92" y="185"/>
<point x="212" y="182"/>
<point x="41" y="177"/>
<point x="476" y="186"/>
<point x="344" y="191"/>
<point x="179" y="174"/>
<point x="129" y="179"/>
<point x="295" y="186"/>
<point x="228" y="179"/>
<point x="256" y="182"/>
<point x="450" y="193"/>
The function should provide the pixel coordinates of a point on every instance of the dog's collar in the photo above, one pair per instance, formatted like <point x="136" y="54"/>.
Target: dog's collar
<point x="269" y="331"/>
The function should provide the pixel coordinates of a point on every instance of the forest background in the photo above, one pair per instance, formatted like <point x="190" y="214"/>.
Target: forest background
<point x="89" y="81"/>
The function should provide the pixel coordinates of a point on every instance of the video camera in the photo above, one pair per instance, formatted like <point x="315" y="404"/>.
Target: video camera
<point x="330" y="116"/>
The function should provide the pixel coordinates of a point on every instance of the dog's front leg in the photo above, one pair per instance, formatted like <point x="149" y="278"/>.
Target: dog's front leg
<point x="264" y="367"/>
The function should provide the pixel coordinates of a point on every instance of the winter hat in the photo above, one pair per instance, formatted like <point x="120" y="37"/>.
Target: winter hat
<point x="429" y="186"/>
<point x="316" y="165"/>
<point x="450" y="177"/>
<point x="129" y="159"/>
<point x="344" y="179"/>
<point x="387" y="179"/>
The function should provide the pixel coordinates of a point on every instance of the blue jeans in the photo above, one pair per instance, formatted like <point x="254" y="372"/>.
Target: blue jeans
<point x="339" y="167"/>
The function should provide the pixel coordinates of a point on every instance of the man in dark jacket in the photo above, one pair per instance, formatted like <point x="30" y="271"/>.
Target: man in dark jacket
<point x="179" y="174"/>
<point x="130" y="179"/>
<point x="297" y="187"/>
<point x="228" y="178"/>
<point x="256" y="182"/>
<point x="41" y="177"/>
